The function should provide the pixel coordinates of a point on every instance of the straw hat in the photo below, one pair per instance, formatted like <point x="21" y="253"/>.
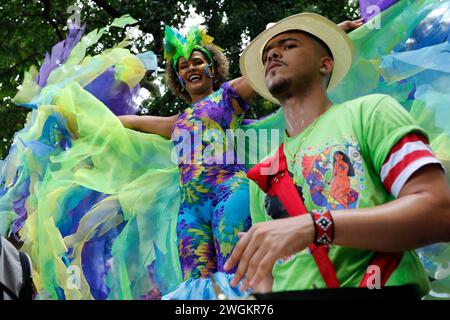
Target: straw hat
<point x="336" y="39"/>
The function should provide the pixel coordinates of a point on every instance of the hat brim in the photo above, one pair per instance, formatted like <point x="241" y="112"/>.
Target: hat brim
<point x="337" y="40"/>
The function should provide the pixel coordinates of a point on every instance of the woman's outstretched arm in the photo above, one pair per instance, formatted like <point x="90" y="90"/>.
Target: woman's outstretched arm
<point x="150" y="124"/>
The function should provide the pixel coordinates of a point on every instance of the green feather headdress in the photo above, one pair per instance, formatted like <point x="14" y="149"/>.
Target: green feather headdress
<point x="176" y="46"/>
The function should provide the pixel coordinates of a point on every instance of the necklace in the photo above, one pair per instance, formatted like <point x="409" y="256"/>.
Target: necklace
<point x="296" y="142"/>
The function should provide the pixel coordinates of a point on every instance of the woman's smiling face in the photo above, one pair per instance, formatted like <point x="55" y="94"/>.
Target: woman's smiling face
<point x="196" y="75"/>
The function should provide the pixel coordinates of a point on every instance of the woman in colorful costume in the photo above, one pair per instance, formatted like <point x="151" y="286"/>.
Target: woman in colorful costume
<point x="214" y="190"/>
<point x="96" y="205"/>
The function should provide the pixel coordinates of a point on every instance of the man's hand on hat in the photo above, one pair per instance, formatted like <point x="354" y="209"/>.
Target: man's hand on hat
<point x="349" y="25"/>
<point x="265" y="243"/>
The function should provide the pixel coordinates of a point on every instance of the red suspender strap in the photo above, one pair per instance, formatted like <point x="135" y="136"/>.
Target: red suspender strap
<point x="387" y="262"/>
<point x="277" y="182"/>
<point x="326" y="268"/>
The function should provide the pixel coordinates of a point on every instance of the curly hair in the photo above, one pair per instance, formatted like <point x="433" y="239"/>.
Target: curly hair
<point x="221" y="70"/>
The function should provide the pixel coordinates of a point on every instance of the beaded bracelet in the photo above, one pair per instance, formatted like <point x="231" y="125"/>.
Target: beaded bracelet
<point x="324" y="228"/>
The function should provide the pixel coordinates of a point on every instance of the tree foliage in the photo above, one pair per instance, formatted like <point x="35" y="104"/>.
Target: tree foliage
<point x="29" y="28"/>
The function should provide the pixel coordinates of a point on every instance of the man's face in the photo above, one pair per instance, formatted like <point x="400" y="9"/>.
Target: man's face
<point x="291" y="59"/>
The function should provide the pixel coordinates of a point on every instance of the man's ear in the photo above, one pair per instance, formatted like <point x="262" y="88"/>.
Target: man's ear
<point x="326" y="66"/>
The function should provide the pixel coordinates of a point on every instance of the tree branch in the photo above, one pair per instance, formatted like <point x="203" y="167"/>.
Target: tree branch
<point x="108" y="8"/>
<point x="47" y="17"/>
<point x="11" y="69"/>
<point x="153" y="28"/>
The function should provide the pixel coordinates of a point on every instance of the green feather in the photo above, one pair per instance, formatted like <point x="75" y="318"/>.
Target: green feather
<point x="176" y="46"/>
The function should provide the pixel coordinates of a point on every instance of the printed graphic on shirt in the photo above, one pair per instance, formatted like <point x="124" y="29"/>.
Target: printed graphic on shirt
<point x="334" y="175"/>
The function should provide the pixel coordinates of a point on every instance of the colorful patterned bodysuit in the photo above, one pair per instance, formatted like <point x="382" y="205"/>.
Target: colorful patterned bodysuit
<point x="214" y="203"/>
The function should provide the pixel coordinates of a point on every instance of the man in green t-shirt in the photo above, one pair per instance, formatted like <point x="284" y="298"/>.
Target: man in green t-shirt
<point x="363" y="170"/>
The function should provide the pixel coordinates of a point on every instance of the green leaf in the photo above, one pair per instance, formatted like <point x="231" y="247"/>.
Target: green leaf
<point x="123" y="21"/>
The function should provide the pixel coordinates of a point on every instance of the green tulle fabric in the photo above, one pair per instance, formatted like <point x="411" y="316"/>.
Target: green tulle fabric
<point x="132" y="172"/>
<point x="381" y="67"/>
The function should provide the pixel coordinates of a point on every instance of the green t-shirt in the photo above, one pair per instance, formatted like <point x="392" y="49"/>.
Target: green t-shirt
<point x="361" y="133"/>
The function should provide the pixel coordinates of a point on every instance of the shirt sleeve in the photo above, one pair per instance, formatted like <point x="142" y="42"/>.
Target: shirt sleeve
<point x="398" y="147"/>
<point x="410" y="154"/>
<point x="229" y="94"/>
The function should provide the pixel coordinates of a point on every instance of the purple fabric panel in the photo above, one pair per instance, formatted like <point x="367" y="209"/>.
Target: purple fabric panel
<point x="96" y="261"/>
<point x="116" y="95"/>
<point x="20" y="209"/>
<point x="60" y="53"/>
<point x="368" y="14"/>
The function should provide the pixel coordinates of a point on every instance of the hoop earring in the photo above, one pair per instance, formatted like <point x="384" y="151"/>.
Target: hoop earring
<point x="206" y="70"/>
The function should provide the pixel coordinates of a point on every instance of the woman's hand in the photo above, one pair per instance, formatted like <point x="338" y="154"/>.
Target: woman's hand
<point x="349" y="26"/>
<point x="244" y="90"/>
